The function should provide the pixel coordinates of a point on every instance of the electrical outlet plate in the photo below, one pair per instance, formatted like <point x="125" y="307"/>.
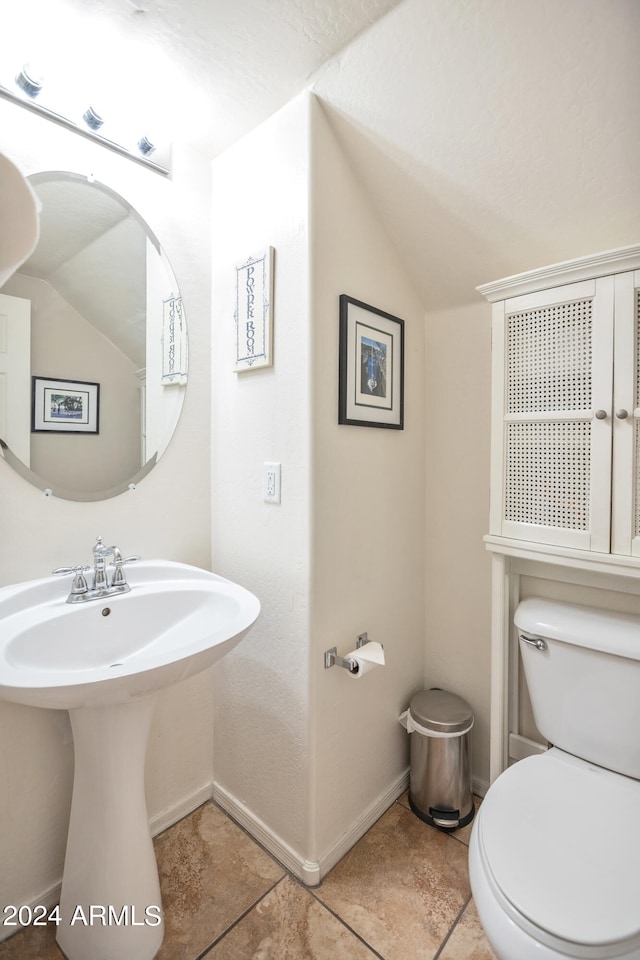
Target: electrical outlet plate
<point x="271" y="482"/>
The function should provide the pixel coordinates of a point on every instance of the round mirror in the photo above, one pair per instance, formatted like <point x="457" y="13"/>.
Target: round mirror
<point x="93" y="346"/>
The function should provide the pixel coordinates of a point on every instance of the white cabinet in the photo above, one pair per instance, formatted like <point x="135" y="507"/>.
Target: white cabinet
<point x="565" y="454"/>
<point x="566" y="405"/>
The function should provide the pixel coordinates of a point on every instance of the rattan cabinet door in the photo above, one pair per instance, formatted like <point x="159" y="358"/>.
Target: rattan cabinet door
<point x="553" y="395"/>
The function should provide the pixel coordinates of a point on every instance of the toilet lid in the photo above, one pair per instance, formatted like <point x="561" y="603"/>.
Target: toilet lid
<point x="561" y="840"/>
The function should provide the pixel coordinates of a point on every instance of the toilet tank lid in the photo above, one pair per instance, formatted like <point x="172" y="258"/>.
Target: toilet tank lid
<point x="592" y="627"/>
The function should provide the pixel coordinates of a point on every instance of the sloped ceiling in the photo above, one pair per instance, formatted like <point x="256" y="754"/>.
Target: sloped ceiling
<point x="235" y="61"/>
<point x="88" y="237"/>
<point x="492" y="136"/>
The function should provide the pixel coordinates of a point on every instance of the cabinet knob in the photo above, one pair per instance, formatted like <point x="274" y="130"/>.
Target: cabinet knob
<point x="622" y="414"/>
<point x="601" y="414"/>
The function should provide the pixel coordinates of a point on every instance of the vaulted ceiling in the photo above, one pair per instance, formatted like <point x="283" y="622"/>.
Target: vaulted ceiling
<point x="492" y="136"/>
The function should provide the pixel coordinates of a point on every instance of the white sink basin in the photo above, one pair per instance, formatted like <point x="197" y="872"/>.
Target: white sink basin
<point x="176" y="621"/>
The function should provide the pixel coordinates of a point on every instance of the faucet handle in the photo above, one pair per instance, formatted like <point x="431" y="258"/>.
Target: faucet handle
<point x="119" y="578"/>
<point x="79" y="585"/>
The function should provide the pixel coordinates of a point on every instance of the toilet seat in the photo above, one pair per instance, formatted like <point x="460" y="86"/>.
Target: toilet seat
<point x="559" y="841"/>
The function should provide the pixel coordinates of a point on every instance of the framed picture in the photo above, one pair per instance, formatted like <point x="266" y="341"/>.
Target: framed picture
<point x="254" y="311"/>
<point x="371" y="371"/>
<point x="64" y="406"/>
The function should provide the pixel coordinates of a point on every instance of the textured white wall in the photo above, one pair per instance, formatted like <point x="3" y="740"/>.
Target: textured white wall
<point x="260" y="198"/>
<point x="368" y="512"/>
<point x="302" y="751"/>
<point x="168" y="515"/>
<point x="458" y="570"/>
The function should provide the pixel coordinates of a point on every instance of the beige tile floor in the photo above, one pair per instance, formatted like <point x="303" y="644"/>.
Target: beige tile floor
<point x="402" y="891"/>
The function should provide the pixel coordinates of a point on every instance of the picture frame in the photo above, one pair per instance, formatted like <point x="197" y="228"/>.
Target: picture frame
<point x="64" y="406"/>
<point x="371" y="366"/>
<point x="254" y="311"/>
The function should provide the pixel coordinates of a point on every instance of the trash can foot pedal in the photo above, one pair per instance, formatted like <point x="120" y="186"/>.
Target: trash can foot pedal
<point x="445" y="820"/>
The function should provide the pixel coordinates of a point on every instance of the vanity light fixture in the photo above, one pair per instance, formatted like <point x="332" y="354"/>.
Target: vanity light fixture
<point x="29" y="85"/>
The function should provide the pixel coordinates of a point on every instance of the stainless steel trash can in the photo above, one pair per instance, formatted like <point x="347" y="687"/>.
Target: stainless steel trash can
<point x="440" y="776"/>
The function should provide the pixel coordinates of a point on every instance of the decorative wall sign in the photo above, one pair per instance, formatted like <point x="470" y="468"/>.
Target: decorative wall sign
<point x="371" y="372"/>
<point x="174" y="342"/>
<point x="254" y="311"/>
<point x="64" y="406"/>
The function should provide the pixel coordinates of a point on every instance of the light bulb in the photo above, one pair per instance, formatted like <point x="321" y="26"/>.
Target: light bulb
<point x="92" y="118"/>
<point x="29" y="80"/>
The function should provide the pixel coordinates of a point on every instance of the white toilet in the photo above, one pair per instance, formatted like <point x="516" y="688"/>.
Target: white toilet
<point x="554" y="859"/>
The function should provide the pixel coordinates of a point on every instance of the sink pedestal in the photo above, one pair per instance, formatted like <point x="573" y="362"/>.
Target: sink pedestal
<point x="110" y="903"/>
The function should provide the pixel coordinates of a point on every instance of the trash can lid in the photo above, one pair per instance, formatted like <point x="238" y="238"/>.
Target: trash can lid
<point x="441" y="711"/>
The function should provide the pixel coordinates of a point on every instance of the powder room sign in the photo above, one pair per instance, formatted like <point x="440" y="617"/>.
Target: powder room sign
<point x="254" y="311"/>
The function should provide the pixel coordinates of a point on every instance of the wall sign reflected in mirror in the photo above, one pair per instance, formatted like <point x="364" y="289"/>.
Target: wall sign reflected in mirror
<point x="97" y="312"/>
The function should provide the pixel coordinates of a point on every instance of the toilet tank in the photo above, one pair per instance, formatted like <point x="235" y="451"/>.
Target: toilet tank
<point x="584" y="680"/>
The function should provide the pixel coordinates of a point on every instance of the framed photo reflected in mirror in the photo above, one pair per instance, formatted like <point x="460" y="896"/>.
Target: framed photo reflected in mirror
<point x="64" y="406"/>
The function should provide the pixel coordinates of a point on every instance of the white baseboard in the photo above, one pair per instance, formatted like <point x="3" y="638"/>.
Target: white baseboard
<point x="48" y="898"/>
<point x="362" y="823"/>
<point x="263" y="834"/>
<point x="310" y="872"/>
<point x="187" y="805"/>
<point x="479" y="787"/>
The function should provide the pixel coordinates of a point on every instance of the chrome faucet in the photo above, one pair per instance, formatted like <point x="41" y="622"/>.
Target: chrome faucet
<point x="103" y="584"/>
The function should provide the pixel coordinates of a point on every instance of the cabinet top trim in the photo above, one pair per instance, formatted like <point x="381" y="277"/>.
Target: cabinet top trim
<point x="564" y="556"/>
<point x="569" y="271"/>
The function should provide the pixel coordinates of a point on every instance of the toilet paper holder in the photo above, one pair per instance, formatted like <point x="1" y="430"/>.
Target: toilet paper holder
<point x="331" y="657"/>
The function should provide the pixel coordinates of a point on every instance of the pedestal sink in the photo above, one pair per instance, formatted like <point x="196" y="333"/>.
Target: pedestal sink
<point x="105" y="661"/>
